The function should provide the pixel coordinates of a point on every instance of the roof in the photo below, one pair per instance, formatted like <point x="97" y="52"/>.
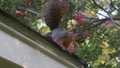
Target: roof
<point x="24" y="33"/>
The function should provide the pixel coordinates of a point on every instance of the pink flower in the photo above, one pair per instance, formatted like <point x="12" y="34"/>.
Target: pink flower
<point x="18" y="12"/>
<point x="107" y="23"/>
<point x="86" y="33"/>
<point x="27" y="1"/>
<point x="71" y="48"/>
<point x="79" y="17"/>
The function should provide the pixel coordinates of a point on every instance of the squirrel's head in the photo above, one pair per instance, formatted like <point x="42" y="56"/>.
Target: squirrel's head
<point x="77" y="36"/>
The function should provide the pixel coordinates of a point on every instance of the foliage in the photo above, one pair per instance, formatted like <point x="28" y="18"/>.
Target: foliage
<point x="98" y="20"/>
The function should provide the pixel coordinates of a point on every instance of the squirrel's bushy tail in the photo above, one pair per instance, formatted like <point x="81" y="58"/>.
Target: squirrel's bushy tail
<point x="54" y="12"/>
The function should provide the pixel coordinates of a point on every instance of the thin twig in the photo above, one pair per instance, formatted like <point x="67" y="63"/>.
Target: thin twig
<point x="37" y="13"/>
<point x="99" y="6"/>
<point x="111" y="2"/>
<point x="101" y="14"/>
<point x="117" y="24"/>
<point x="112" y="5"/>
<point x="30" y="10"/>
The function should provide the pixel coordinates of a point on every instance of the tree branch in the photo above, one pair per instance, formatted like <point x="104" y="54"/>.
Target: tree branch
<point x="109" y="14"/>
<point x="111" y="19"/>
<point x="101" y="21"/>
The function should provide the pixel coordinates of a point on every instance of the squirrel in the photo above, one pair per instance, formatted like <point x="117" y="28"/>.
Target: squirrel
<point x="52" y="17"/>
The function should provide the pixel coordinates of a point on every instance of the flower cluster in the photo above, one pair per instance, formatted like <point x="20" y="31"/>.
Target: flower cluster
<point x="27" y="1"/>
<point x="86" y="33"/>
<point x="79" y="18"/>
<point x="18" y="12"/>
<point x="71" y="48"/>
